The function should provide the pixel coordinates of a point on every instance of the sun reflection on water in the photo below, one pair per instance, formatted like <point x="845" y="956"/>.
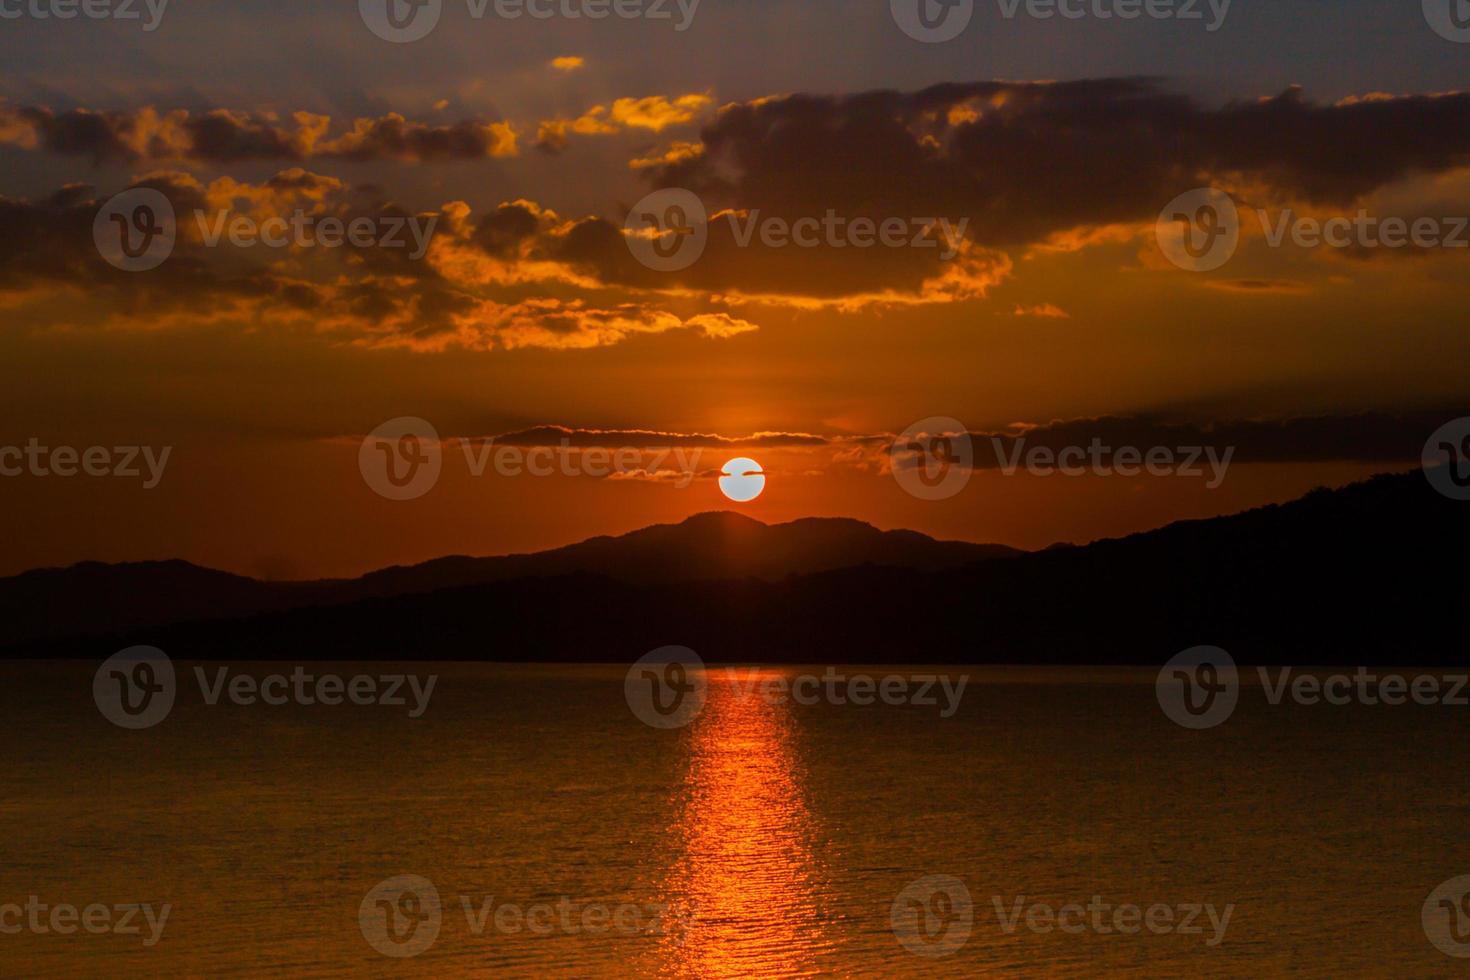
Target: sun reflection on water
<point x="746" y="873"/>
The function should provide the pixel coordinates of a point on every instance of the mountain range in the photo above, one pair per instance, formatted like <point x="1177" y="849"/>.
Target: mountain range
<point x="93" y="598"/>
<point x="1364" y="574"/>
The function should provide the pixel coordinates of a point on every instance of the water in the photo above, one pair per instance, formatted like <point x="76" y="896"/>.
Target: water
<point x="762" y="839"/>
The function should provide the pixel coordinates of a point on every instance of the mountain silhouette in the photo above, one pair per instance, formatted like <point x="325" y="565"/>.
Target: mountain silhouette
<point x="93" y="598"/>
<point x="1357" y="575"/>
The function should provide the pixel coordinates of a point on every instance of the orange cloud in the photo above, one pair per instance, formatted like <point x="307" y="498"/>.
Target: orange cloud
<point x="654" y="112"/>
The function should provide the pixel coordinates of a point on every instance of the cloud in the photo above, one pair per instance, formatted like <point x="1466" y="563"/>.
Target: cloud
<point x="1368" y="437"/>
<point x="1365" y="437"/>
<point x="567" y="63"/>
<point x="354" y="294"/>
<point x="557" y="435"/>
<point x="1042" y="310"/>
<point x="1259" y="287"/>
<point x="1026" y="161"/>
<point x="223" y="136"/>
<point x="653" y="113"/>
<point x="675" y="152"/>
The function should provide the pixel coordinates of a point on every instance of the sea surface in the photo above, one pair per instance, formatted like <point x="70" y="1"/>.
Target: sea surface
<point x="563" y="836"/>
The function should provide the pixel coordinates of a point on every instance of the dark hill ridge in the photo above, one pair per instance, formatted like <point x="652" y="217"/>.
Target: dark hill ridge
<point x="93" y="598"/>
<point x="716" y="545"/>
<point x="1361" y="575"/>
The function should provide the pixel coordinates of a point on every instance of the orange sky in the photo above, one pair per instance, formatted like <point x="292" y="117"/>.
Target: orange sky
<point x="263" y="369"/>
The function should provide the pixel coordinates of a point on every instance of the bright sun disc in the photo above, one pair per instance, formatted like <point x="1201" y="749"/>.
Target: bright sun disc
<point x="742" y="480"/>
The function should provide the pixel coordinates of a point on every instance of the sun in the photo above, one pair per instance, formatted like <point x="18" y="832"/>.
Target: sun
<point x="742" y="480"/>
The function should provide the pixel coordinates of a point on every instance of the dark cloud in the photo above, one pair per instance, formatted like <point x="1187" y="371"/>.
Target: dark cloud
<point x="502" y="232"/>
<point x="1025" y="160"/>
<point x="556" y="435"/>
<point x="1367" y="437"/>
<point x="221" y="136"/>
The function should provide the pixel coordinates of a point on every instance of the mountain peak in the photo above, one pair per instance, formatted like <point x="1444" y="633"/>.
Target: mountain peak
<point x="720" y="518"/>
